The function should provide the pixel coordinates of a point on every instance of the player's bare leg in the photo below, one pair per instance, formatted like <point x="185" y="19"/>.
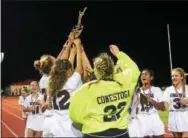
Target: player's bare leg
<point x="38" y="134"/>
<point x="185" y="134"/>
<point x="160" y="136"/>
<point x="30" y="133"/>
<point x="177" y="134"/>
<point x="25" y="121"/>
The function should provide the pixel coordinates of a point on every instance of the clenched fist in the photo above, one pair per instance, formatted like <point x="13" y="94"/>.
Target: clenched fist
<point x="114" y="49"/>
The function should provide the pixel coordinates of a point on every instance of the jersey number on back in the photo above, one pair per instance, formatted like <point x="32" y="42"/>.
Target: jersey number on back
<point x="62" y="104"/>
<point x="114" y="114"/>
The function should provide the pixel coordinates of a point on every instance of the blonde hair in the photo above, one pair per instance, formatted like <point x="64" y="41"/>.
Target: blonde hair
<point x="44" y="64"/>
<point x="182" y="74"/>
<point x="104" y="66"/>
<point x="91" y="76"/>
<point x="58" y="76"/>
<point x="25" y="89"/>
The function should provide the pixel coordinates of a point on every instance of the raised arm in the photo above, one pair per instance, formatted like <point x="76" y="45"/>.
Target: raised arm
<point x="66" y="47"/>
<point x="86" y="60"/>
<point x="130" y="71"/>
<point x="86" y="66"/>
<point x="72" y="55"/>
<point x="66" y="50"/>
<point x="79" y="67"/>
<point x="62" y="50"/>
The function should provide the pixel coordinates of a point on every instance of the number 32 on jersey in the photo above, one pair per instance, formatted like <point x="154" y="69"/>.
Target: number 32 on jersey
<point x="114" y="112"/>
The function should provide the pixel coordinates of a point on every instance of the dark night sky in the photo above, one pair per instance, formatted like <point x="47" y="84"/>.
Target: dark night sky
<point x="30" y="29"/>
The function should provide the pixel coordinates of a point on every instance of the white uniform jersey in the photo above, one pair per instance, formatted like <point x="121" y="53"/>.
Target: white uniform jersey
<point x="21" y="101"/>
<point x="62" y="124"/>
<point x="178" y="115"/>
<point x="29" y="101"/>
<point x="62" y="99"/>
<point x="43" y="84"/>
<point x="140" y="104"/>
<point x="156" y="94"/>
<point x="172" y="96"/>
<point x="145" y="120"/>
<point x="134" y="105"/>
<point x="35" y="119"/>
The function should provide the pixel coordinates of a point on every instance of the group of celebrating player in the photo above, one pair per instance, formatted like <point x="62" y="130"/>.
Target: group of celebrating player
<point x="78" y="100"/>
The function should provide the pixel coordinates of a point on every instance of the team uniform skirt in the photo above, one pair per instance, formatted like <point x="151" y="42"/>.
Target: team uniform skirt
<point x="134" y="128"/>
<point x="35" y="122"/>
<point x="178" y="121"/>
<point x="146" y="125"/>
<point x="61" y="126"/>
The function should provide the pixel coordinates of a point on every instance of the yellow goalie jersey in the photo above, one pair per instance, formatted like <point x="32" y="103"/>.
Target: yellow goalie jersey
<point x="101" y="105"/>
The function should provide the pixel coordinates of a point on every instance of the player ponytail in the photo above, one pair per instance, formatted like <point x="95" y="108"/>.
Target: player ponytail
<point x="104" y="67"/>
<point x="37" y="64"/>
<point x="44" y="64"/>
<point x="58" y="76"/>
<point x="90" y="77"/>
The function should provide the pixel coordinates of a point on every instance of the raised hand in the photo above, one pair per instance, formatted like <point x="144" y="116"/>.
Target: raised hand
<point x="114" y="49"/>
<point x="71" y="37"/>
<point x="32" y="108"/>
<point x="48" y="105"/>
<point x="81" y="14"/>
<point x="73" y="50"/>
<point x="184" y="101"/>
<point x="77" y="42"/>
<point x="88" y="69"/>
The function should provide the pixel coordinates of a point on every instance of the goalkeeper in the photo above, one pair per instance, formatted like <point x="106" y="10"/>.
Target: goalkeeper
<point x="101" y="106"/>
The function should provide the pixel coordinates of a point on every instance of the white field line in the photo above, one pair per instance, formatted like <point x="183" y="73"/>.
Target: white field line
<point x="8" y="104"/>
<point x="9" y="129"/>
<point x="13" y="114"/>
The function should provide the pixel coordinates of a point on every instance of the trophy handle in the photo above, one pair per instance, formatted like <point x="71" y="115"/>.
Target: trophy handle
<point x="77" y="29"/>
<point x="81" y="14"/>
